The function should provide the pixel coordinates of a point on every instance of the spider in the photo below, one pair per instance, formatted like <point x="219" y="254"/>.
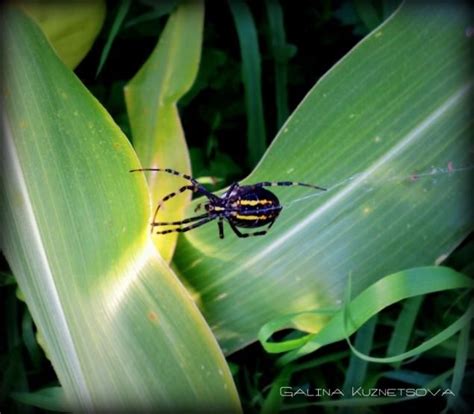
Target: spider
<point x="244" y="206"/>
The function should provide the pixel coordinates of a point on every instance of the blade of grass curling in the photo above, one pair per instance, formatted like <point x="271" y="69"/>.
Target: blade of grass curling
<point x="280" y="50"/>
<point x="440" y="337"/>
<point x="151" y="98"/>
<point x="120" y="329"/>
<point x="118" y="21"/>
<point x="251" y="78"/>
<point x="372" y="300"/>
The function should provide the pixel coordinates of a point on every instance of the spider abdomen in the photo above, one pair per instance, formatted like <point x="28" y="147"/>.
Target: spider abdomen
<point x="253" y="207"/>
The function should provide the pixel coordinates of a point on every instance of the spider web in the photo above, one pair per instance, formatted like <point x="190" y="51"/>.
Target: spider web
<point x="432" y="173"/>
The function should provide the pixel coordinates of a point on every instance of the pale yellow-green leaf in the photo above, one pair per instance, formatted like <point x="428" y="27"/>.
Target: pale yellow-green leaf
<point x="121" y="331"/>
<point x="387" y="131"/>
<point x="151" y="98"/>
<point x="70" y="26"/>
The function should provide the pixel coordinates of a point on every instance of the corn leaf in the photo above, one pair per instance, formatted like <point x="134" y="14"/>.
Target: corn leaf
<point x="71" y="27"/>
<point x="120" y="330"/>
<point x="386" y="130"/>
<point x="151" y="98"/>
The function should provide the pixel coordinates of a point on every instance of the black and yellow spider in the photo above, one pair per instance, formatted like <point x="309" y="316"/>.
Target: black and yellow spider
<point x="244" y="206"/>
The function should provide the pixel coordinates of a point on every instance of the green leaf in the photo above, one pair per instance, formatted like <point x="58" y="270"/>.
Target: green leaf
<point x="251" y="78"/>
<point x="367" y="13"/>
<point x="386" y="130"/>
<point x="157" y="10"/>
<point x="357" y="369"/>
<point x="71" y="27"/>
<point x="280" y="50"/>
<point x="459" y="367"/>
<point x="151" y="98"/>
<point x="6" y="279"/>
<point x="52" y="399"/>
<point x="121" y="331"/>
<point x="381" y="294"/>
<point x="122" y="11"/>
<point x="404" y="327"/>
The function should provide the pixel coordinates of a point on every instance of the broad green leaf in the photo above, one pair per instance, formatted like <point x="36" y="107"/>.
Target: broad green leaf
<point x="121" y="331"/>
<point x="151" y="98"/>
<point x="71" y="27"/>
<point x="386" y="130"/>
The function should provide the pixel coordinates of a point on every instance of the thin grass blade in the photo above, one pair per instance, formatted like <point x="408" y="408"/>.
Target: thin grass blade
<point x="251" y="78"/>
<point x="122" y="11"/>
<point x="281" y="54"/>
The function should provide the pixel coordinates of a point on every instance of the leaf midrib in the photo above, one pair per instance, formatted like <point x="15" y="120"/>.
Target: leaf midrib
<point x="409" y="138"/>
<point x="49" y="292"/>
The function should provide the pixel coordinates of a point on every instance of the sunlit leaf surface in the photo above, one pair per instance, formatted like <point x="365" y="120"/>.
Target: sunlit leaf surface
<point x="121" y="331"/>
<point x="387" y="132"/>
<point x="152" y="97"/>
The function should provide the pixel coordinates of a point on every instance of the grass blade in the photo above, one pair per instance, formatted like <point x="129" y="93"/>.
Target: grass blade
<point x="251" y="78"/>
<point x="403" y="329"/>
<point x="281" y="51"/>
<point x="357" y="369"/>
<point x="459" y="368"/>
<point x="122" y="11"/>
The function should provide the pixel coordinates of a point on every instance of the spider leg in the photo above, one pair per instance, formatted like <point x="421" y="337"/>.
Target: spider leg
<point x="230" y="190"/>
<point x="255" y="233"/>
<point x="196" y="187"/>
<point x="220" y="224"/>
<point x="178" y="174"/>
<point x="270" y="225"/>
<point x="171" y="195"/>
<point x="169" y="171"/>
<point x="185" y="229"/>
<point x="285" y="184"/>
<point x="188" y="220"/>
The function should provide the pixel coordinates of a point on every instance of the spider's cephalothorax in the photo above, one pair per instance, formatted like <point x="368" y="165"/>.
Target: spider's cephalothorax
<point x="246" y="206"/>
